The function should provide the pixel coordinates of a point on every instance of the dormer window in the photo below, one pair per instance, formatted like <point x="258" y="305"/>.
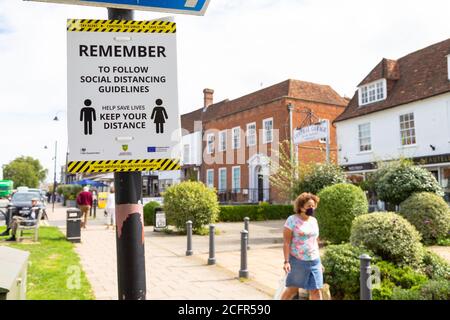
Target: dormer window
<point x="372" y="92"/>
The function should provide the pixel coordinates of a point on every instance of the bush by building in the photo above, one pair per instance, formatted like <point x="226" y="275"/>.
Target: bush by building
<point x="339" y="205"/>
<point x="389" y="236"/>
<point x="398" y="180"/>
<point x="317" y="176"/>
<point x="193" y="201"/>
<point x="149" y="212"/>
<point x="261" y="212"/>
<point x="429" y="213"/>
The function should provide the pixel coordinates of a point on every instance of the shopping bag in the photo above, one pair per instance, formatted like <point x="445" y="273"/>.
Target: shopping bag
<point x="281" y="287"/>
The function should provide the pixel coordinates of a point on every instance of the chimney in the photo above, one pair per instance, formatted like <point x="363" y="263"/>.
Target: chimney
<point x="208" y="95"/>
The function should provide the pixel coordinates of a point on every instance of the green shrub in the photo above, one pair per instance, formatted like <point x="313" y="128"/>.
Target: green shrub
<point x="261" y="212"/>
<point x="431" y="290"/>
<point x="434" y="266"/>
<point x="318" y="176"/>
<point x="338" y="206"/>
<point x="406" y="294"/>
<point x="429" y="213"/>
<point x="71" y="191"/>
<point x="395" y="277"/>
<point x="342" y="266"/>
<point x="149" y="212"/>
<point x="389" y="236"/>
<point x="193" y="201"/>
<point x="399" y="180"/>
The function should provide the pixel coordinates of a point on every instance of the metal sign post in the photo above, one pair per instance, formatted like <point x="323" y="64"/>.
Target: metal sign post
<point x="129" y="216"/>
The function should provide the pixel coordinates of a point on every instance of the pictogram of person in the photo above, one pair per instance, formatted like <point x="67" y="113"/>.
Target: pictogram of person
<point x="159" y="115"/>
<point x="87" y="114"/>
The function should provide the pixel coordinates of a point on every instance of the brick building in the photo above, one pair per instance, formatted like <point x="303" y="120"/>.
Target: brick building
<point x="228" y="145"/>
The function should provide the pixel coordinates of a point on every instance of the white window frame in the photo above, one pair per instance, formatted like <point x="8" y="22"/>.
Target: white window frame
<point x="371" y="92"/>
<point x="236" y="143"/>
<point x="412" y="137"/>
<point x="220" y="187"/>
<point x="265" y="140"/>
<point x="210" y="146"/>
<point x="223" y="140"/>
<point x="360" y="137"/>
<point x="238" y="188"/>
<point x="255" y="136"/>
<point x="208" y="171"/>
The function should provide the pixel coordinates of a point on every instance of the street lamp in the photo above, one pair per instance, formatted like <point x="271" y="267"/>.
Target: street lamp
<point x="54" y="177"/>
<point x="67" y="151"/>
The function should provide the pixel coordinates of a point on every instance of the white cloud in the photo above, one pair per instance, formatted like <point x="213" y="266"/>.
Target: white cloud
<point x="233" y="49"/>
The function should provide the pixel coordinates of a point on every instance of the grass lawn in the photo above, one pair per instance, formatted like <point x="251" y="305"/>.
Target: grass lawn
<point x="54" y="268"/>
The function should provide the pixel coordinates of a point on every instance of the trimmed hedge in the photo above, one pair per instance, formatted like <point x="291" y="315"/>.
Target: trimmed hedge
<point x="339" y="205"/>
<point x="429" y="213"/>
<point x="149" y="212"/>
<point x="261" y="212"/>
<point x="389" y="236"/>
<point x="193" y="201"/>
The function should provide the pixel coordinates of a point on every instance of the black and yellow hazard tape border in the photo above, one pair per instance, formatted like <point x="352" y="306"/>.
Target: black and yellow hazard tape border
<point x="154" y="26"/>
<point x="123" y="165"/>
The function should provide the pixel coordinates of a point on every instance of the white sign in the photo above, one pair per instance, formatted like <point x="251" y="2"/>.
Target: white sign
<point x="196" y="7"/>
<point x="160" y="220"/>
<point x="122" y="96"/>
<point x="311" y="133"/>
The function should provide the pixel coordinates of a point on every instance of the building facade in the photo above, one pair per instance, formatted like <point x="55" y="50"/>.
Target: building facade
<point x="239" y="138"/>
<point x="400" y="110"/>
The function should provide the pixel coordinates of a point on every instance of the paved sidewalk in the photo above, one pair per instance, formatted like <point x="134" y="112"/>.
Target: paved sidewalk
<point x="170" y="274"/>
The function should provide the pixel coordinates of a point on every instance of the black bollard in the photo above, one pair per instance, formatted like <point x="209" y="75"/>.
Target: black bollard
<point x="243" y="272"/>
<point x="365" y="271"/>
<point x="212" y="257"/>
<point x="246" y="227"/>
<point x="189" y="251"/>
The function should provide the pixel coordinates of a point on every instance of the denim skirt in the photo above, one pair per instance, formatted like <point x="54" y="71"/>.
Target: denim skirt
<point x="305" y="274"/>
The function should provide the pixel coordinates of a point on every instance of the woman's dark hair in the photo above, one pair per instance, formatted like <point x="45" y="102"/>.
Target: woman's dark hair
<point x="304" y="198"/>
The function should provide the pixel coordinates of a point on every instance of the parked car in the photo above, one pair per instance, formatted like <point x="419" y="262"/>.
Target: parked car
<point x="22" y="201"/>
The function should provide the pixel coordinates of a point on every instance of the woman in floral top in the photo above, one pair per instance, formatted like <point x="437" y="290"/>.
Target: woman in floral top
<point x="301" y="249"/>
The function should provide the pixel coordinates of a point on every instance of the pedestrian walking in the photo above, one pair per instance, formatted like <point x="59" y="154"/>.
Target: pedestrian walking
<point x="84" y="201"/>
<point x="301" y="250"/>
<point x="111" y="209"/>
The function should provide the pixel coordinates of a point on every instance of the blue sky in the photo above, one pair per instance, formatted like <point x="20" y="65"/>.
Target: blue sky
<point x="238" y="47"/>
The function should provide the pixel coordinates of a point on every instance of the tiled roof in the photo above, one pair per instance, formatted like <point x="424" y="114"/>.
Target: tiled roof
<point x="419" y="75"/>
<point x="290" y="89"/>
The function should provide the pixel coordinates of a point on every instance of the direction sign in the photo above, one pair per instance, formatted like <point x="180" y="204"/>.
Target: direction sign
<point x="122" y="96"/>
<point x="195" y="7"/>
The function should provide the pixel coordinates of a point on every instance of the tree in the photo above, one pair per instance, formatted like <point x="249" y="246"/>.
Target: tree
<point x="22" y="174"/>
<point x="25" y="171"/>
<point x="292" y="179"/>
